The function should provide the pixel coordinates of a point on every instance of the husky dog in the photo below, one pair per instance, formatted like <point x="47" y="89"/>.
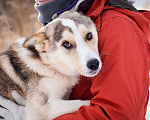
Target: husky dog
<point x="45" y="67"/>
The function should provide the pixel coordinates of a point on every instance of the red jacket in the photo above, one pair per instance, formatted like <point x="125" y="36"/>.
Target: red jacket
<point x="120" y="90"/>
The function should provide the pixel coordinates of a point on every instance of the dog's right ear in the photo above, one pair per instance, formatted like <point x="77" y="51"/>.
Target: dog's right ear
<point x="34" y="39"/>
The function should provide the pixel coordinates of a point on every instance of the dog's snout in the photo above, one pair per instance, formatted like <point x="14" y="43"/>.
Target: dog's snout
<point x="93" y="64"/>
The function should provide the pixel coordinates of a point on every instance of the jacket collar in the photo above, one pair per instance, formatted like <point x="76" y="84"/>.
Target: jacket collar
<point x="124" y="4"/>
<point x="96" y="8"/>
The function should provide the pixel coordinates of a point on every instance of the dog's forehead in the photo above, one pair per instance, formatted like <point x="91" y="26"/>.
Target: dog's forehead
<point x="59" y="29"/>
<point x="68" y="22"/>
<point x="77" y="18"/>
<point x="61" y="25"/>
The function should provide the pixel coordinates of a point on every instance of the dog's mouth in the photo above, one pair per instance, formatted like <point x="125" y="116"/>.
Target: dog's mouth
<point x="89" y="73"/>
<point x="93" y="72"/>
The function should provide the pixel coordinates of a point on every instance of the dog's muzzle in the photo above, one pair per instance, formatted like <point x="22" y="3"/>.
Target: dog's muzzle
<point x="93" y="64"/>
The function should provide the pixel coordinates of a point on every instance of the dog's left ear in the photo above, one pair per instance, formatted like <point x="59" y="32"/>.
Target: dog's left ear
<point x="37" y="41"/>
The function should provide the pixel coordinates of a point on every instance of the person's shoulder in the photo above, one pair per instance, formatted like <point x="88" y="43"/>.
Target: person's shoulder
<point x="116" y="16"/>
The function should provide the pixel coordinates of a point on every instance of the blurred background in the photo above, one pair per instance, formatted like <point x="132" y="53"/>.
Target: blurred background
<point x="142" y="4"/>
<point x="18" y="18"/>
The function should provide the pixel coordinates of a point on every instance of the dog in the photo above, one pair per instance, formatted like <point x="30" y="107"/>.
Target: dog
<point x="44" y="67"/>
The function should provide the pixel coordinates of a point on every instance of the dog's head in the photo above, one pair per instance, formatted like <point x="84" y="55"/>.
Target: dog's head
<point x="69" y="44"/>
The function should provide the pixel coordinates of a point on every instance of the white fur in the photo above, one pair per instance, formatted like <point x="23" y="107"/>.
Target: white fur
<point x="84" y="52"/>
<point x="58" y="104"/>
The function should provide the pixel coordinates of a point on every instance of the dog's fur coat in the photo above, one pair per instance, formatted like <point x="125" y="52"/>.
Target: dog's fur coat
<point x="44" y="67"/>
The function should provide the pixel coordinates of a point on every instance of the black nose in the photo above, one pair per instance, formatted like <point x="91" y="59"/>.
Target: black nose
<point x="93" y="64"/>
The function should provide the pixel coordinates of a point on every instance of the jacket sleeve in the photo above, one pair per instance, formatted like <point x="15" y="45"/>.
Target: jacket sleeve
<point x="120" y="90"/>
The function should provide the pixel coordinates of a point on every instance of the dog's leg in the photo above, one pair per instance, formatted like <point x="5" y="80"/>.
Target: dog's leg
<point x="37" y="107"/>
<point x="53" y="109"/>
<point x="37" y="111"/>
<point x="59" y="107"/>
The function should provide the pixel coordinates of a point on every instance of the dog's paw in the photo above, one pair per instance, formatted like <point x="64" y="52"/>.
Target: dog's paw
<point x="61" y="107"/>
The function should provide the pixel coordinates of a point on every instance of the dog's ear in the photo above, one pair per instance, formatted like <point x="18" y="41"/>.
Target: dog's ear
<point x="37" y="41"/>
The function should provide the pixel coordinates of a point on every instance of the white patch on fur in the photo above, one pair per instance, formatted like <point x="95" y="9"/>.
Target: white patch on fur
<point x="84" y="52"/>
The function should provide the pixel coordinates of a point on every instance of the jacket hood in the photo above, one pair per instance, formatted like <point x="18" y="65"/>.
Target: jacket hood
<point x="124" y="4"/>
<point x="142" y="18"/>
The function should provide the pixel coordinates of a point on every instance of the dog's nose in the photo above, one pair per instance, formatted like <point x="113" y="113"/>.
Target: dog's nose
<point x="93" y="64"/>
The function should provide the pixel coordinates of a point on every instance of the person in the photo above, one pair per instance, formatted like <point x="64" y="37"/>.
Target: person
<point x="120" y="90"/>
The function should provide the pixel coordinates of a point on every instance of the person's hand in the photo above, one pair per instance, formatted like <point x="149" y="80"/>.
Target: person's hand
<point x="11" y="111"/>
<point x="18" y="98"/>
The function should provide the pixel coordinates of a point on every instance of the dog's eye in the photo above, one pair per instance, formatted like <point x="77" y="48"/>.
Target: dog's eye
<point x="89" y="36"/>
<point x="67" y="45"/>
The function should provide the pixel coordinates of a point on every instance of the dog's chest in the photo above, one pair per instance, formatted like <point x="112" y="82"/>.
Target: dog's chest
<point x="57" y="88"/>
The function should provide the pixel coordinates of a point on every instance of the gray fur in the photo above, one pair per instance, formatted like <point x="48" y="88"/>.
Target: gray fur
<point x="78" y="19"/>
<point x="7" y="84"/>
<point x="58" y="31"/>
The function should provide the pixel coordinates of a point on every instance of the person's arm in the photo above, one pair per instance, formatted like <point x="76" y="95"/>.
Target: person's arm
<point x="10" y="110"/>
<point x="121" y="89"/>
